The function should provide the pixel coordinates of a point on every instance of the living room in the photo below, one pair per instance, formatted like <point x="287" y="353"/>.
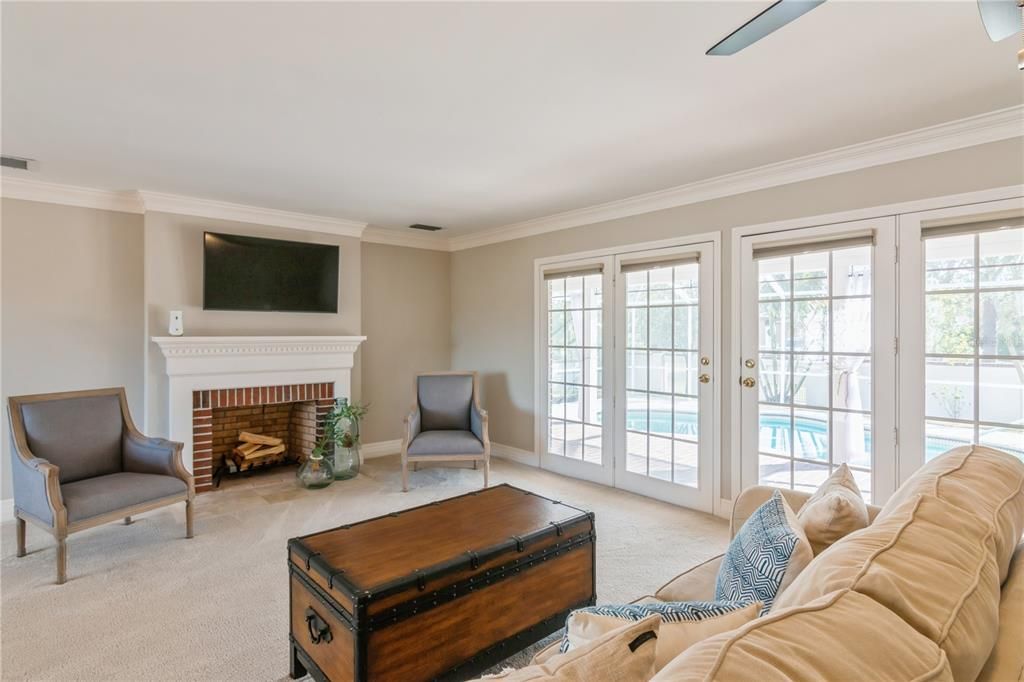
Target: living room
<point x="332" y="333"/>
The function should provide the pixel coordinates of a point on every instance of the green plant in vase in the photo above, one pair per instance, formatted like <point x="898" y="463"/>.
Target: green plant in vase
<point x="341" y="434"/>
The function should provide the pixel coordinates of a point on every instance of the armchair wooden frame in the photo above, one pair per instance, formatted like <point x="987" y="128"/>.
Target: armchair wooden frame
<point x="60" y="528"/>
<point x="408" y="436"/>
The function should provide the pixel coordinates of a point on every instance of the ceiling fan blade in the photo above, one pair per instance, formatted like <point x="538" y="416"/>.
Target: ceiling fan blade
<point x="771" y="19"/>
<point x="1001" y="18"/>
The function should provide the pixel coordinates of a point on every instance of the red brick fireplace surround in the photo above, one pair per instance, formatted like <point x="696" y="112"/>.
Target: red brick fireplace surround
<point x="293" y="412"/>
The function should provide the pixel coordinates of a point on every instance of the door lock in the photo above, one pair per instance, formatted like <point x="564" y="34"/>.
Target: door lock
<point x="750" y="363"/>
<point x="749" y="382"/>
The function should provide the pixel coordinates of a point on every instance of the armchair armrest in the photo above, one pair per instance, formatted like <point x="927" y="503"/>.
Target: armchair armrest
<point x="37" y="487"/>
<point x="478" y="422"/>
<point x="144" y="455"/>
<point x="412" y="424"/>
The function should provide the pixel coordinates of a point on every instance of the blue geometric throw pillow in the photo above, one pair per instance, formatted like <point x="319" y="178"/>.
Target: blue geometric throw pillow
<point x="766" y="555"/>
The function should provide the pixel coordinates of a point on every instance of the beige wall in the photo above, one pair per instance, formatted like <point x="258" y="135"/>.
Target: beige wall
<point x="492" y="286"/>
<point x="71" y="303"/>
<point x="407" y="321"/>
<point x="174" y="281"/>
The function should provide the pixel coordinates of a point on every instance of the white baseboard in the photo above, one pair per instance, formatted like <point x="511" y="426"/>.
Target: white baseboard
<point x="724" y="508"/>
<point x="381" y="448"/>
<point x="514" y="454"/>
<point x="7" y="509"/>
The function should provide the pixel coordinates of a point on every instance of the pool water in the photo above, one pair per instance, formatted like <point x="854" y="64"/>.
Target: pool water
<point x="812" y="434"/>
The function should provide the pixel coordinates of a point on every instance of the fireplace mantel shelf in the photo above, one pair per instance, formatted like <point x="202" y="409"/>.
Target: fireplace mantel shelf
<point x="193" y="346"/>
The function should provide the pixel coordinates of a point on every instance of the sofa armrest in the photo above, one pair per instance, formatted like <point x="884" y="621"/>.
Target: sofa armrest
<point x="143" y="455"/>
<point x="36" y="485"/>
<point x="696" y="584"/>
<point x="756" y="495"/>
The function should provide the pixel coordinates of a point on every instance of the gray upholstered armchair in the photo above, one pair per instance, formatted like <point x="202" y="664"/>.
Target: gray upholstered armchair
<point x="78" y="461"/>
<point x="446" y="423"/>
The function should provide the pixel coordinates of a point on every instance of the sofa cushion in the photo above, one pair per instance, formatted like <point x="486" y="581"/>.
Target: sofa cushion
<point x="444" y="401"/>
<point x="929" y="562"/>
<point x="981" y="481"/>
<point x="683" y="624"/>
<point x="94" y="496"/>
<point x="81" y="436"/>
<point x="1006" y="662"/>
<point x="625" y="654"/>
<point x="697" y="583"/>
<point x="766" y="555"/>
<point x="834" y="510"/>
<point x="841" y="636"/>
<point x="446" y="443"/>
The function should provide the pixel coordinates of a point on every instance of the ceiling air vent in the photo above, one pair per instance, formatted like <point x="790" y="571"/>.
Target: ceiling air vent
<point x="17" y="163"/>
<point x="421" y="226"/>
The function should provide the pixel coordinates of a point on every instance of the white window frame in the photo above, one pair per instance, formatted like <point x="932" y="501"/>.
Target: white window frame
<point x="911" y="318"/>
<point x="595" y="257"/>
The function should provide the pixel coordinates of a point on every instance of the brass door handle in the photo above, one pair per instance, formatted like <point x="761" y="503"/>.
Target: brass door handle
<point x="749" y="382"/>
<point x="705" y="378"/>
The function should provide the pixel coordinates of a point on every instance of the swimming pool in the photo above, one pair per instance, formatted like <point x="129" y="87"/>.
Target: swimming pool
<point x="811" y="434"/>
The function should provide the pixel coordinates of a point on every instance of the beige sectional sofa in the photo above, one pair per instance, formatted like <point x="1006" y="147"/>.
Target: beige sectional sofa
<point x="932" y="589"/>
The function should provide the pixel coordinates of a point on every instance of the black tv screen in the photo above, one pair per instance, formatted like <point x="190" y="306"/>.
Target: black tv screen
<point x="250" y="273"/>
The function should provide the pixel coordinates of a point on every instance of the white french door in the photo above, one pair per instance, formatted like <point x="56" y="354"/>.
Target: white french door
<point x="818" y="356"/>
<point x="627" y="369"/>
<point x="575" y="431"/>
<point x="665" y="365"/>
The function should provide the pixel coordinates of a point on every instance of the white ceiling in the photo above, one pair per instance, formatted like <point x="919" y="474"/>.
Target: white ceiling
<point x="469" y="115"/>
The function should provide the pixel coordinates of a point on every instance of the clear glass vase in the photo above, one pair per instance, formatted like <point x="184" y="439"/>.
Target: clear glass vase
<point x="315" y="472"/>
<point x="346" y="462"/>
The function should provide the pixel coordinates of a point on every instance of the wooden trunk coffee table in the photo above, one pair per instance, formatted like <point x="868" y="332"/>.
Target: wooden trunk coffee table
<point x="441" y="591"/>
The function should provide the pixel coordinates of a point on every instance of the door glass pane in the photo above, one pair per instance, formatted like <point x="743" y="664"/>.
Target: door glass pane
<point x="974" y="341"/>
<point x="814" y="365"/>
<point x="662" y="369"/>
<point x="574" y="367"/>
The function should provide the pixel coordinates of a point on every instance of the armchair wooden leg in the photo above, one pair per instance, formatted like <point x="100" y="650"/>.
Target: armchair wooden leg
<point x="62" y="561"/>
<point x="127" y="520"/>
<point x="21" y="536"/>
<point x="487" y="472"/>
<point x="415" y="466"/>
<point x="405" y="475"/>
<point x="474" y="464"/>
<point x="189" y="524"/>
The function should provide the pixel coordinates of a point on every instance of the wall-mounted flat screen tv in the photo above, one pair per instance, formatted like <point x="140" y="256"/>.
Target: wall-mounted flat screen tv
<point x="250" y="273"/>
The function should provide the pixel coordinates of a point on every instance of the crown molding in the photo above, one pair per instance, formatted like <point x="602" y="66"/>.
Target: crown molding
<point x="393" y="237"/>
<point x="981" y="129"/>
<point x="69" y="195"/>
<point x="967" y="132"/>
<point x="144" y="201"/>
<point x="223" y="210"/>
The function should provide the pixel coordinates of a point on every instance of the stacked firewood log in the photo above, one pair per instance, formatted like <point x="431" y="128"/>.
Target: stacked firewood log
<point x="256" y="450"/>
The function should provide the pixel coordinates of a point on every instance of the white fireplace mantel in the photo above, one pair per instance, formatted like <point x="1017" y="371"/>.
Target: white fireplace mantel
<point x="197" y="363"/>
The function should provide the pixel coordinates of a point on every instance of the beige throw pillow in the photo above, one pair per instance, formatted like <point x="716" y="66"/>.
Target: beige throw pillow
<point x="625" y="654"/>
<point x="836" y="509"/>
<point x="675" y="635"/>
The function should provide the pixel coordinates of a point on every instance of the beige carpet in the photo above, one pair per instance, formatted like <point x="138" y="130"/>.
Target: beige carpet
<point x="143" y="603"/>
